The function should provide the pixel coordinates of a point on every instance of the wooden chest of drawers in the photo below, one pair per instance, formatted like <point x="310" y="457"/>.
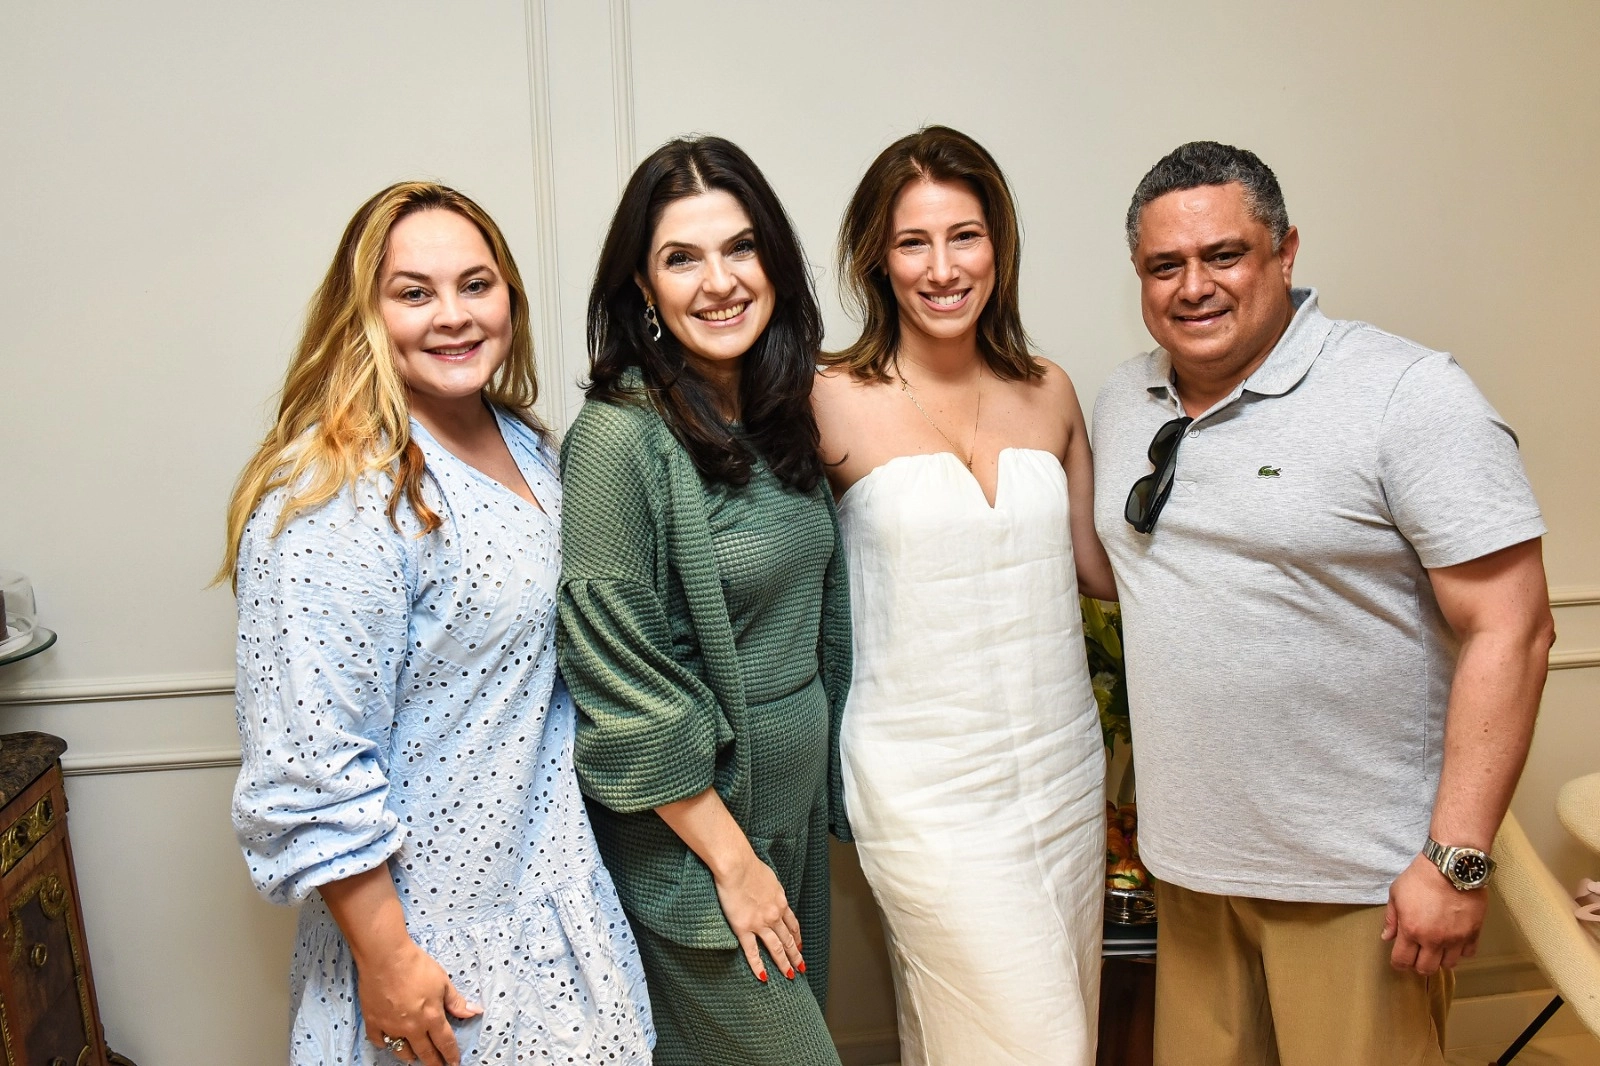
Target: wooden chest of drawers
<point x="48" y="1013"/>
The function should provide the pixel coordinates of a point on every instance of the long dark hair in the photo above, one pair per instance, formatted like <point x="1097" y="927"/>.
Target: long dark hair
<point x="776" y="373"/>
<point x="940" y="154"/>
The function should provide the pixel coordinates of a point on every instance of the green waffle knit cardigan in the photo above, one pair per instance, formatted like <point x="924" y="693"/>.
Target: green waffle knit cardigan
<point x="647" y="650"/>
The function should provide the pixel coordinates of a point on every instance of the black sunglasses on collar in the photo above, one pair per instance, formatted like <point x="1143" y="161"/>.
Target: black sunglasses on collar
<point x="1149" y="494"/>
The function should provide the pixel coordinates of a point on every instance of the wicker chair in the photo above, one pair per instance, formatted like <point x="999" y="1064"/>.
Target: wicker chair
<point x="1542" y="907"/>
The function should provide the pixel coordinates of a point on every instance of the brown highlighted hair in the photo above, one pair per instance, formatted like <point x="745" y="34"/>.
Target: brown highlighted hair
<point x="938" y="154"/>
<point x="344" y="409"/>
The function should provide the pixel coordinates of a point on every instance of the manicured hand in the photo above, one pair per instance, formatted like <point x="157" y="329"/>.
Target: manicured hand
<point x="1433" y="924"/>
<point x="754" y="903"/>
<point x="407" y="994"/>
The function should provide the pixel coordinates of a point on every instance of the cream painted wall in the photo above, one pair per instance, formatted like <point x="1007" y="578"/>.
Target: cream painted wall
<point x="176" y="175"/>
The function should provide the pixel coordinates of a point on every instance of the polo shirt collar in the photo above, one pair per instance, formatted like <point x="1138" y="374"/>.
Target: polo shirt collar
<point x="1284" y="366"/>
<point x="1295" y="351"/>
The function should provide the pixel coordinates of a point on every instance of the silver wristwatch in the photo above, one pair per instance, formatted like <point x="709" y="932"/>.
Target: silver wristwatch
<point x="1467" y="868"/>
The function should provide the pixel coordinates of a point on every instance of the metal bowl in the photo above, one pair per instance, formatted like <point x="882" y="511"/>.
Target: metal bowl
<point x="1130" y="906"/>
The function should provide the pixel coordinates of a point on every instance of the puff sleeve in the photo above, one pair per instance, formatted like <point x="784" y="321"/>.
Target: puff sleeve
<point x="323" y="621"/>
<point x="649" y="728"/>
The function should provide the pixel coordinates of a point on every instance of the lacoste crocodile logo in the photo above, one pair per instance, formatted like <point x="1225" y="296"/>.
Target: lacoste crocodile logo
<point x="1269" y="471"/>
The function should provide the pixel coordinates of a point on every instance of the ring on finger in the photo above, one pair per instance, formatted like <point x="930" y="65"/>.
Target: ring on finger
<point x="396" y="1044"/>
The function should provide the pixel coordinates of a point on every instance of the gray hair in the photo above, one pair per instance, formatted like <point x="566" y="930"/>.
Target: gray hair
<point x="1198" y="163"/>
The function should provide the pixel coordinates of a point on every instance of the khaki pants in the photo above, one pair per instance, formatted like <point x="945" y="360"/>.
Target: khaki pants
<point x="1252" y="982"/>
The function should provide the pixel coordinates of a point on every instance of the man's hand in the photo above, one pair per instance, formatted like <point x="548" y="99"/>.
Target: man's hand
<point x="1433" y="924"/>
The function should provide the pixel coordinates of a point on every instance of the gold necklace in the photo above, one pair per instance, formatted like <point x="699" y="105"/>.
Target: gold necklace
<point x="905" y="387"/>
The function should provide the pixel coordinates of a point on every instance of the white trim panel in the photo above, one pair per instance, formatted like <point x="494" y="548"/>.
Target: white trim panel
<point x="546" y="293"/>
<point x="1575" y="596"/>
<point x="622" y="90"/>
<point x="114" y="689"/>
<point x="148" y="761"/>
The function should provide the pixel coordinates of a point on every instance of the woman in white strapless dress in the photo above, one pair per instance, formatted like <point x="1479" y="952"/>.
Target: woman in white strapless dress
<point x="972" y="758"/>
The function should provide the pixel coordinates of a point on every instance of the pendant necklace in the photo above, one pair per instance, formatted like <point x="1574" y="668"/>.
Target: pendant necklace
<point x="905" y="387"/>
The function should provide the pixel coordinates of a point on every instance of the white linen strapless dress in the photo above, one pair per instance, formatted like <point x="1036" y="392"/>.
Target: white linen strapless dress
<point x="973" y="762"/>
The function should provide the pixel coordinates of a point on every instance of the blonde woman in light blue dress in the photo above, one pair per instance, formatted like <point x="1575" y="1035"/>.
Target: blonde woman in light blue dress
<point x="406" y="767"/>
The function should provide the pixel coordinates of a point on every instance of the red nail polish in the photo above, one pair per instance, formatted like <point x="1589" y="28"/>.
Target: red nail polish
<point x="763" y="976"/>
<point x="801" y="966"/>
<point x="789" y="974"/>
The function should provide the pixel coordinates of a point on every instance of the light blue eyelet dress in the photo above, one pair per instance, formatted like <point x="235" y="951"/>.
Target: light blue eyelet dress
<point x="398" y="704"/>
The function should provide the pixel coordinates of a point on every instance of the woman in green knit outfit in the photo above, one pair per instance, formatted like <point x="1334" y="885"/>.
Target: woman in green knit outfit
<point x="704" y="627"/>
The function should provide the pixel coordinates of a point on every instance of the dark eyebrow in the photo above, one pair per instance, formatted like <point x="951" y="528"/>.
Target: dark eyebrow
<point x="1209" y="250"/>
<point x="748" y="231"/>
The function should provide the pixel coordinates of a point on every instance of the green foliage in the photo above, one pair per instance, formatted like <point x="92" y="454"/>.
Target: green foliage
<point x="1102" y="636"/>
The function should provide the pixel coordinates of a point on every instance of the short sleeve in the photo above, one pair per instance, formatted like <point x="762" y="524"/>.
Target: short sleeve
<point x="1450" y="469"/>
<point x="648" y="728"/>
<point x="323" y="613"/>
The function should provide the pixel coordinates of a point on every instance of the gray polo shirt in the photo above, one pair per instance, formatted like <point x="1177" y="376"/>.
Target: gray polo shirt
<point x="1288" y="666"/>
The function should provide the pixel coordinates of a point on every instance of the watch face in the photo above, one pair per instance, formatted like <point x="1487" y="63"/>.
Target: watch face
<point x="1469" y="868"/>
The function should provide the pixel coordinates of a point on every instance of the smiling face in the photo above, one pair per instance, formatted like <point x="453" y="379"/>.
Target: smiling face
<point x="1214" y="292"/>
<point x="708" y="283"/>
<point x="941" y="260"/>
<point x="447" y="309"/>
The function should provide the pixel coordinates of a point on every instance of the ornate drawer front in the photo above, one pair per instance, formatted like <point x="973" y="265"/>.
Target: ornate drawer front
<point x="18" y="838"/>
<point x="47" y="1020"/>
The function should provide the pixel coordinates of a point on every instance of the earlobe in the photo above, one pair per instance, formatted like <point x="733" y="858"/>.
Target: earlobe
<point x="644" y="288"/>
<point x="1287" y="248"/>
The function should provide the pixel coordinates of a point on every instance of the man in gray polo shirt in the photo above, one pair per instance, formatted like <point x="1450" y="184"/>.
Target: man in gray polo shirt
<point x="1337" y="631"/>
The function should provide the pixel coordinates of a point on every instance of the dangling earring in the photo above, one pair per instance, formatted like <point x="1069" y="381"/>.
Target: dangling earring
<point x="651" y="321"/>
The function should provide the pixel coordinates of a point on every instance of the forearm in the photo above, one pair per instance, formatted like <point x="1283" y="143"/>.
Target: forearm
<point x="368" y="912"/>
<point x="703" y="823"/>
<point x="1494" y="699"/>
<point x="1094" y="571"/>
<point x="1089" y="555"/>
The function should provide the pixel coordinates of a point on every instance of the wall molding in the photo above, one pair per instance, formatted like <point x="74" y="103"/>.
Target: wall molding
<point x="867" y="1047"/>
<point x="1579" y="658"/>
<point x="547" y="330"/>
<point x="1575" y="596"/>
<point x="1491" y="975"/>
<point x="622" y="133"/>
<point x="1565" y="596"/>
<point x="1489" y="1023"/>
<point x="148" y="762"/>
<point x="179" y="686"/>
<point x="183" y="686"/>
<point x="118" y="689"/>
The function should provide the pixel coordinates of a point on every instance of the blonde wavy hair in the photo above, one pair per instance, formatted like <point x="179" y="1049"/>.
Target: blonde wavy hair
<point x="344" y="411"/>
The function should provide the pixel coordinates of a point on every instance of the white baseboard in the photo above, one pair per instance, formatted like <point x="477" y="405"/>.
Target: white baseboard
<point x="868" y="1047"/>
<point x="1496" y="1020"/>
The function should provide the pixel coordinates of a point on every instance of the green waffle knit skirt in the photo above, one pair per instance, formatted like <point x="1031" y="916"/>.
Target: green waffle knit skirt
<point x="709" y="1009"/>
